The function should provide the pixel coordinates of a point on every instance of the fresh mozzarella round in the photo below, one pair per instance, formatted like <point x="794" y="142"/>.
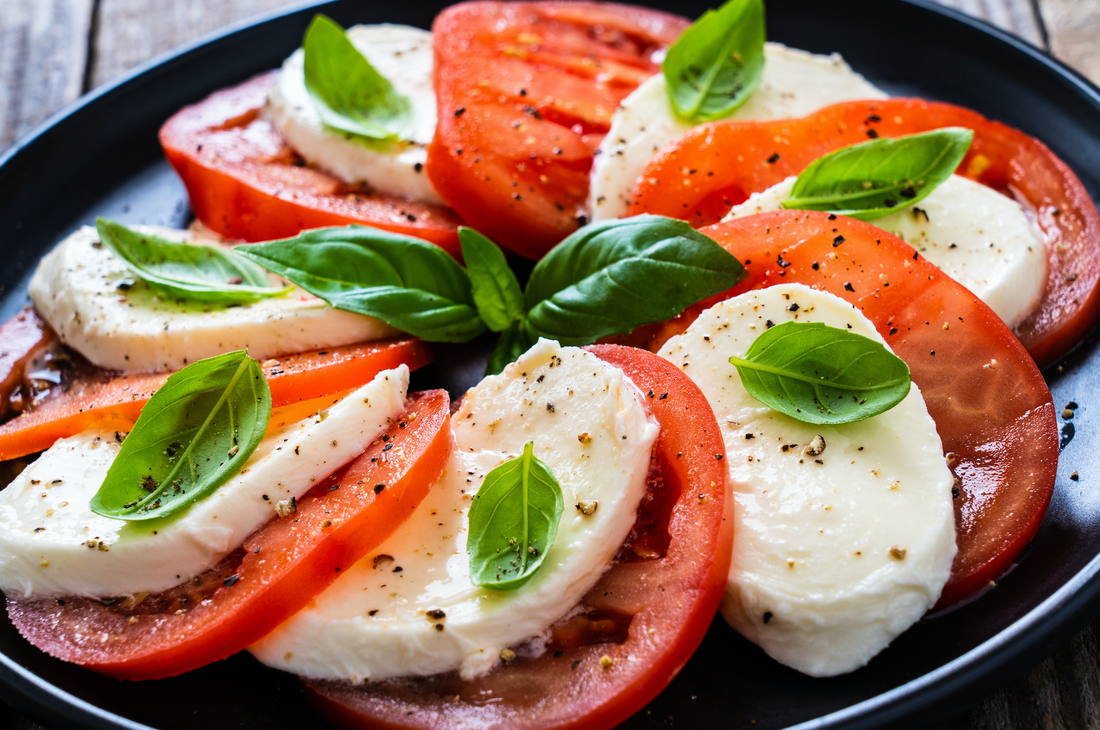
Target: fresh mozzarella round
<point x="404" y="56"/>
<point x="835" y="553"/>
<point x="98" y="308"/>
<point x="379" y="619"/>
<point x="795" y="83"/>
<point x="975" y="235"/>
<point x="51" y="543"/>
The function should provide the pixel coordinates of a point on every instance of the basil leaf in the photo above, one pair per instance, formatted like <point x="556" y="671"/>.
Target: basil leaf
<point x="871" y="179"/>
<point x="717" y="63"/>
<point x="196" y="432"/>
<point x="820" y="374"/>
<point x="408" y="283"/>
<point x="347" y="91"/>
<point x="496" y="290"/>
<point x="187" y="271"/>
<point x="513" y="522"/>
<point x="513" y="342"/>
<point x="614" y="275"/>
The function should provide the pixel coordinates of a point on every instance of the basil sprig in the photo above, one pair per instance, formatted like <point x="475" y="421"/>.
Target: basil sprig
<point x="513" y="522"/>
<point x="196" y="432"/>
<point x="347" y="91"/>
<point x="870" y="180"/>
<point x="607" y="278"/>
<point x="185" y="270"/>
<point x="717" y="63"/>
<point x="822" y="375"/>
<point x="410" y="284"/>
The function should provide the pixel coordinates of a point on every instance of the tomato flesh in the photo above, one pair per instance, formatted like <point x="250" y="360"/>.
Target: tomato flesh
<point x="277" y="571"/>
<point x="992" y="408"/>
<point x="525" y="94"/>
<point x="647" y="614"/>
<point x="245" y="181"/>
<point x="95" y="398"/>
<point x="712" y="167"/>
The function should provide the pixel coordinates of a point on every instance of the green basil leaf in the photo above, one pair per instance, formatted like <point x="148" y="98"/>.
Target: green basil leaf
<point x="187" y="271"/>
<point x="871" y="179"/>
<point x="513" y="522"/>
<point x="513" y="342"/>
<point x="196" y="432"/>
<point x="496" y="290"/>
<point x="717" y="63"/>
<point x="614" y="275"/>
<point x="347" y="91"/>
<point x="820" y="374"/>
<point x="410" y="284"/>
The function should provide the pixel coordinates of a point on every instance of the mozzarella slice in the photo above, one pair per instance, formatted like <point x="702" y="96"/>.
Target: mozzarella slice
<point x="975" y="235"/>
<point x="379" y="619"/>
<point x="404" y="56"/>
<point x="834" y="554"/>
<point x="795" y="83"/>
<point x="103" y="312"/>
<point x="51" y="543"/>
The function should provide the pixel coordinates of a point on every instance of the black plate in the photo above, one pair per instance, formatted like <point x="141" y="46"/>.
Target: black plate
<point x="101" y="157"/>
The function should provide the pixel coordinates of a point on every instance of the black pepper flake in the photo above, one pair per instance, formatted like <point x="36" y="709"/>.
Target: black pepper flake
<point x="767" y="616"/>
<point x="650" y="394"/>
<point x="418" y="166"/>
<point x="872" y="133"/>
<point x="378" y="488"/>
<point x="436" y="614"/>
<point x="837" y="241"/>
<point x="769" y="324"/>
<point x="749" y="436"/>
<point x="398" y="569"/>
<point x="718" y="457"/>
<point x="955" y="493"/>
<point x="460" y="112"/>
<point x="815" y="266"/>
<point x="832" y="216"/>
<point x="915" y="255"/>
<point x="1074" y="476"/>
<point x="774" y="158"/>
<point x="848" y="287"/>
<point x="387" y="447"/>
<point x="793" y="307"/>
<point x="893" y="330"/>
<point x="663" y="396"/>
<point x="783" y="263"/>
<point x="230" y="581"/>
<point x="439" y="627"/>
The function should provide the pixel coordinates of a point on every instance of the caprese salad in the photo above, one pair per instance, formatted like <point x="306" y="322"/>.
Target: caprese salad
<point x="777" y="358"/>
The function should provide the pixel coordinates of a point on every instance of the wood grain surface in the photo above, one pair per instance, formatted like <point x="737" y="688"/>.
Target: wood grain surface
<point x="52" y="51"/>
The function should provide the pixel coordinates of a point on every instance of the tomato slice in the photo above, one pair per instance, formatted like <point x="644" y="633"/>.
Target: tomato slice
<point x="25" y="336"/>
<point x="246" y="182"/>
<point x="94" y="398"/>
<point x="277" y="571"/>
<point x="712" y="167"/>
<point x="525" y="92"/>
<point x="647" y="614"/>
<point x="991" y="406"/>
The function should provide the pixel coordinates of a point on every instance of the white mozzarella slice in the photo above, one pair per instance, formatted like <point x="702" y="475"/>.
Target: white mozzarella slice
<point x="795" y="83"/>
<point x="972" y="233"/>
<point x="51" y="543"/>
<point x="97" y="307"/>
<point x="374" y="622"/>
<point x="403" y="55"/>
<point x="834" y="554"/>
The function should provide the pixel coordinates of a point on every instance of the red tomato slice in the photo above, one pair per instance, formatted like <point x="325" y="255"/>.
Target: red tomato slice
<point x="246" y="182"/>
<point x="647" y="614"/>
<point x="94" y="398"/>
<point x="525" y="94"/>
<point x="277" y="571"/>
<point x="714" y="166"/>
<point x="24" y="337"/>
<point x="991" y="406"/>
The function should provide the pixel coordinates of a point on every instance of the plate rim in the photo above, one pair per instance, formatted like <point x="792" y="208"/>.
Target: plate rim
<point x="959" y="683"/>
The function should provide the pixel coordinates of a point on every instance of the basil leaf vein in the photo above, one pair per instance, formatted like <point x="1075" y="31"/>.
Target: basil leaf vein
<point x="613" y="276"/>
<point x="716" y="65"/>
<point x="410" y="284"/>
<point x="196" y="432"/>
<point x="496" y="290"/>
<point x="347" y="91"/>
<point x="870" y="180"/>
<point x="822" y="375"/>
<point x="185" y="270"/>
<point x="513" y="522"/>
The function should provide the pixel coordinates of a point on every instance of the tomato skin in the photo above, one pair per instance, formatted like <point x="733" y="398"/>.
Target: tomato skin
<point x="285" y="564"/>
<point x="97" y="398"/>
<point x="998" y="421"/>
<point x="525" y="94"/>
<point x="245" y="181"/>
<point x="731" y="160"/>
<point x="672" y="598"/>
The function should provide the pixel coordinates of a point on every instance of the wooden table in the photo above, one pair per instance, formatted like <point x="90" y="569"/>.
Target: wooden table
<point x="52" y="51"/>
